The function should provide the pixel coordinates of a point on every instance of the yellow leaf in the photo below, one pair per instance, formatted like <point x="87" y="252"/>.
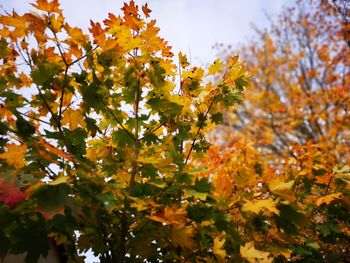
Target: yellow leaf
<point x="328" y="198"/>
<point x="183" y="60"/>
<point x="134" y="42"/>
<point x="170" y="215"/>
<point x="218" y="250"/>
<point x="279" y="186"/>
<point x="56" y="22"/>
<point x="193" y="193"/>
<point x="257" y="206"/>
<point x="59" y="180"/>
<point x="253" y="255"/>
<point x="216" y="67"/>
<point x="182" y="236"/>
<point x="14" y="155"/>
<point x="151" y="160"/>
<point x="73" y="118"/>
<point x="139" y="204"/>
<point x="179" y="100"/>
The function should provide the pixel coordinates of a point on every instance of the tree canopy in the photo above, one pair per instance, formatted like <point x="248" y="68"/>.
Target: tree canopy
<point x="112" y="144"/>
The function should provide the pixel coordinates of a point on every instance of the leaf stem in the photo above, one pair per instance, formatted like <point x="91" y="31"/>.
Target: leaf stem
<point x="199" y="128"/>
<point x="136" y="137"/>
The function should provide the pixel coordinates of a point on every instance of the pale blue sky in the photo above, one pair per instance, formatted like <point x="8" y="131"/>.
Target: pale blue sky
<point x="191" y="26"/>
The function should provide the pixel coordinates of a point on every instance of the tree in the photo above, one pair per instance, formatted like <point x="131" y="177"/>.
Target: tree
<point x="300" y="87"/>
<point x="342" y="8"/>
<point x="97" y="134"/>
<point x="284" y="154"/>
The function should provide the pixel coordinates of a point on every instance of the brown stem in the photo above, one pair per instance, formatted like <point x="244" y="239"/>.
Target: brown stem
<point x="199" y="128"/>
<point x="136" y="136"/>
<point x="118" y="121"/>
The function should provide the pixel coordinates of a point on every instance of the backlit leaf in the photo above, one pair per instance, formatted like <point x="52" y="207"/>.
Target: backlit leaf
<point x="253" y="255"/>
<point x="14" y="155"/>
<point x="257" y="206"/>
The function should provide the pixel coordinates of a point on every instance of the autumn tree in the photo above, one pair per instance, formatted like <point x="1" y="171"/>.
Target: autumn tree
<point x="299" y="92"/>
<point x="281" y="165"/>
<point x="342" y="9"/>
<point x="98" y="131"/>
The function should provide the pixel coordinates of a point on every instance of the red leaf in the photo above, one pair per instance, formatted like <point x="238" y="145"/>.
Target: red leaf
<point x="10" y="194"/>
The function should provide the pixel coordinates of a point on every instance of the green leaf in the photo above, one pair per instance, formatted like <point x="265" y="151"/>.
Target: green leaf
<point x="328" y="228"/>
<point x="24" y="128"/>
<point x="241" y="83"/>
<point x="76" y="142"/>
<point x="203" y="185"/>
<point x="44" y="72"/>
<point x="52" y="198"/>
<point x="313" y="245"/>
<point x="200" y="212"/>
<point x="3" y="48"/>
<point x="123" y="138"/>
<point x="13" y="100"/>
<point x="93" y="96"/>
<point x="289" y="218"/>
<point x="217" y="118"/>
<point x="29" y="236"/>
<point x="201" y="146"/>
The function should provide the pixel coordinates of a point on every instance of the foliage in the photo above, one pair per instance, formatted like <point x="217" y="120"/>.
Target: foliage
<point x="105" y="142"/>
<point x="284" y="154"/>
<point x="98" y="131"/>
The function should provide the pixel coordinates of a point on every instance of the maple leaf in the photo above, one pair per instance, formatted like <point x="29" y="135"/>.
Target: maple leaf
<point x="170" y="215"/>
<point x="328" y="198"/>
<point x="183" y="236"/>
<point x="16" y="21"/>
<point x="73" y="118"/>
<point x="216" y="67"/>
<point x="139" y="204"/>
<point x="146" y="10"/>
<point x="257" y="206"/>
<point x="14" y="155"/>
<point x="130" y="9"/>
<point x="183" y="60"/>
<point x="131" y="16"/>
<point x="218" y="250"/>
<point x="47" y="6"/>
<point x="76" y="34"/>
<point x="278" y="185"/>
<point x="54" y="150"/>
<point x="151" y="160"/>
<point x="9" y="193"/>
<point x="97" y="31"/>
<point x="56" y="22"/>
<point x="253" y="255"/>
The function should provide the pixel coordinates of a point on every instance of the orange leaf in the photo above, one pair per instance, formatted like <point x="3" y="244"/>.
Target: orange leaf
<point x="55" y="150"/>
<point x="44" y="5"/>
<point x="16" y="21"/>
<point x="146" y="10"/>
<point x="76" y="34"/>
<point x="182" y="236"/>
<point x="14" y="155"/>
<point x="328" y="199"/>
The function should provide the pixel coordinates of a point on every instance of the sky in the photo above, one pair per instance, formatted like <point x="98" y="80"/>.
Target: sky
<point x="190" y="26"/>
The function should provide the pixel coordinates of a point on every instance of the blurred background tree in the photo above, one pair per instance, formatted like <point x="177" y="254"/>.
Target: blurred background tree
<point x="300" y="86"/>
